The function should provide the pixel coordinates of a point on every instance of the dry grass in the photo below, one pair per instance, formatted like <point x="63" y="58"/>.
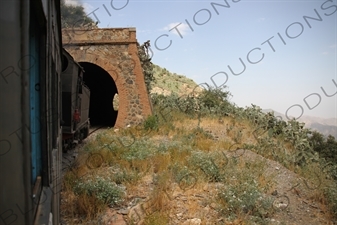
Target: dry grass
<point x="164" y="155"/>
<point x="156" y="218"/>
<point x="76" y="209"/>
<point x="161" y="163"/>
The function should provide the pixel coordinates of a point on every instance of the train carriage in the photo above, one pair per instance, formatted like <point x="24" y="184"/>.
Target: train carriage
<point x="75" y="103"/>
<point x="30" y="110"/>
<point x="44" y="110"/>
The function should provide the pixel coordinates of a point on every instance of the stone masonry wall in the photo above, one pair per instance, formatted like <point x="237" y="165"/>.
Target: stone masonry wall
<point x="114" y="50"/>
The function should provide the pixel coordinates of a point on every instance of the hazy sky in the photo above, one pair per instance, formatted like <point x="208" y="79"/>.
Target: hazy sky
<point x="274" y="54"/>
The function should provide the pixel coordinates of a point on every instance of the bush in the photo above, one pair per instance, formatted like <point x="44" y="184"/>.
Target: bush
<point x="243" y="197"/>
<point x="212" y="164"/>
<point x="213" y="101"/>
<point x="183" y="176"/>
<point x="331" y="195"/>
<point x="325" y="146"/>
<point x="103" y="189"/>
<point x="141" y="149"/>
<point x="151" y="123"/>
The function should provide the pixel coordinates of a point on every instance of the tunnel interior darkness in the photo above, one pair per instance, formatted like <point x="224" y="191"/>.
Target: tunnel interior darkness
<point x="102" y="90"/>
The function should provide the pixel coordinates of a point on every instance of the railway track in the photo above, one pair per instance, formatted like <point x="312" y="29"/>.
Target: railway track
<point x="69" y="157"/>
<point x="94" y="129"/>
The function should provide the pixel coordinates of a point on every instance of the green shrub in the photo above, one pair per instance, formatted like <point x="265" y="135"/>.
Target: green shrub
<point x="104" y="189"/>
<point x="243" y="197"/>
<point x="326" y="147"/>
<point x="213" y="101"/>
<point x="331" y="195"/>
<point x="151" y="123"/>
<point x="141" y="149"/>
<point x="182" y="175"/>
<point x="124" y="176"/>
<point x="212" y="164"/>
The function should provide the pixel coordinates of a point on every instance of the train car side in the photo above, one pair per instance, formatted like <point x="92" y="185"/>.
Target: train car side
<point x="30" y="101"/>
<point x="75" y="103"/>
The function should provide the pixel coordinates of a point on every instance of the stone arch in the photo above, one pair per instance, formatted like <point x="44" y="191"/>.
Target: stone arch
<point x="102" y="91"/>
<point x="119" y="81"/>
<point x="114" y="50"/>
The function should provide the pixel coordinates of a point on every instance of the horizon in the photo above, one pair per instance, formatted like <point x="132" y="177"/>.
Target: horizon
<point x="278" y="54"/>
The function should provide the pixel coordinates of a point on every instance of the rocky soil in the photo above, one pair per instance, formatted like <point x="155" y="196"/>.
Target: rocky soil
<point x="293" y="203"/>
<point x="294" y="199"/>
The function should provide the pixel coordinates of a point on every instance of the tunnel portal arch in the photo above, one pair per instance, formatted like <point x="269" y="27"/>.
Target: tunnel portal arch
<point x="112" y="51"/>
<point x="102" y="91"/>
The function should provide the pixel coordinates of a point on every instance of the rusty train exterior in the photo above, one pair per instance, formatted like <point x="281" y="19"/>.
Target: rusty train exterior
<point x="44" y="108"/>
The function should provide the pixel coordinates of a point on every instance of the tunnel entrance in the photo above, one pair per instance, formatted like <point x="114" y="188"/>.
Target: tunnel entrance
<point x="102" y="90"/>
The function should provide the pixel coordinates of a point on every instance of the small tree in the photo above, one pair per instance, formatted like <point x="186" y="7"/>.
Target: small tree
<point x="74" y="16"/>
<point x="147" y="65"/>
<point x="327" y="149"/>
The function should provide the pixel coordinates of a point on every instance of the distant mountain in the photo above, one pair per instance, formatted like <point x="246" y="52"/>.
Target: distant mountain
<point x="322" y="125"/>
<point x="324" y="129"/>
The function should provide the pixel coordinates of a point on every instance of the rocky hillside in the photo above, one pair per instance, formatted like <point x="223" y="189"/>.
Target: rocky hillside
<point x="200" y="160"/>
<point x="181" y="169"/>
<point x="167" y="82"/>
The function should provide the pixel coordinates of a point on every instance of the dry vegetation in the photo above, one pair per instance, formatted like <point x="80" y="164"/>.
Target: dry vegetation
<point x="181" y="169"/>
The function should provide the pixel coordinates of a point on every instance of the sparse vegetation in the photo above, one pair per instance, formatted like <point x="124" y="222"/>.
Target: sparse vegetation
<point x="147" y="66"/>
<point x="103" y="188"/>
<point x="168" y="83"/>
<point x="151" y="123"/>
<point x="201" y="158"/>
